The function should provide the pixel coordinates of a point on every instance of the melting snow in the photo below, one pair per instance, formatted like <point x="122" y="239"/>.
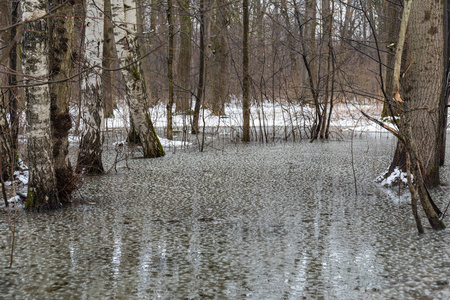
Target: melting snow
<point x="394" y="178"/>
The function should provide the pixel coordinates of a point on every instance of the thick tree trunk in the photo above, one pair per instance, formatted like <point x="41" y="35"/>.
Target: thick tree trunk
<point x="184" y="59"/>
<point x="42" y="191"/>
<point x="144" y="48"/>
<point x="245" y="74"/>
<point x="91" y="144"/>
<point x="142" y="131"/>
<point x="418" y="98"/>
<point x="423" y="83"/>
<point x="61" y="30"/>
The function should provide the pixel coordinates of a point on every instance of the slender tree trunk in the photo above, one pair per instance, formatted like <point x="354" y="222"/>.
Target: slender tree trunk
<point x="42" y="191"/>
<point x="201" y="72"/>
<point x="170" y="69"/>
<point x="327" y="15"/>
<point x="13" y="92"/>
<point x="6" y="154"/>
<point x="392" y="27"/>
<point x="142" y="131"/>
<point x="245" y="74"/>
<point x="60" y="63"/>
<point x="91" y="144"/>
<point x="444" y="102"/>
<point x="310" y="73"/>
<point x="107" y="85"/>
<point x="309" y="38"/>
<point x="219" y="58"/>
<point x="184" y="58"/>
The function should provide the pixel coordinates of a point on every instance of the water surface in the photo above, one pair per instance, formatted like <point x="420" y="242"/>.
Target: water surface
<point x="245" y="222"/>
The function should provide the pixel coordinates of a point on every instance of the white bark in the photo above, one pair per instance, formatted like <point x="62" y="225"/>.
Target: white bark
<point x="42" y="193"/>
<point x="142" y="130"/>
<point x="91" y="146"/>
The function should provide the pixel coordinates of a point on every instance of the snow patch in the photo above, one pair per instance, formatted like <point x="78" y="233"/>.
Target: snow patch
<point x="394" y="178"/>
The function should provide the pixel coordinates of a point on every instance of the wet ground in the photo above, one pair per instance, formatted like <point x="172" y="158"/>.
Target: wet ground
<point x="277" y="221"/>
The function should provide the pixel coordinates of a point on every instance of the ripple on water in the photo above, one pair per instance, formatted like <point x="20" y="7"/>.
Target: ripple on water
<point x="272" y="222"/>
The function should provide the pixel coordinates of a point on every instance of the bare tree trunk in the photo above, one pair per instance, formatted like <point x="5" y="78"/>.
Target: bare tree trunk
<point x="307" y="61"/>
<point x="201" y="75"/>
<point x="245" y="74"/>
<point x="309" y="38"/>
<point x="327" y="15"/>
<point x="184" y="58"/>
<point x="170" y="69"/>
<point x="6" y="153"/>
<point x="219" y="58"/>
<point x="107" y="85"/>
<point x="42" y="191"/>
<point x="60" y="63"/>
<point x="392" y="27"/>
<point x="423" y="83"/>
<point x="445" y="94"/>
<point x="144" y="49"/>
<point x="142" y="131"/>
<point x="12" y="77"/>
<point x="421" y="103"/>
<point x="91" y="144"/>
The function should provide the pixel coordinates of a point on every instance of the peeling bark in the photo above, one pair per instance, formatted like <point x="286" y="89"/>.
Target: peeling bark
<point x="142" y="131"/>
<point x="60" y="63"/>
<point x="42" y="191"/>
<point x="91" y="145"/>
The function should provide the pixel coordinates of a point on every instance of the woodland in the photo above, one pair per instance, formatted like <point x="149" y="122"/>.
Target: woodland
<point x="67" y="65"/>
<point x="221" y="149"/>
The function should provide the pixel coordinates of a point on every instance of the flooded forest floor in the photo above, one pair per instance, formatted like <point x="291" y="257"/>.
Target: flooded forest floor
<point x="237" y="221"/>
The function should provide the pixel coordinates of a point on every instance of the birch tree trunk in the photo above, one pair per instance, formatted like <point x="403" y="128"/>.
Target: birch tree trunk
<point x="42" y="191"/>
<point x="91" y="144"/>
<point x="60" y="63"/>
<point x="107" y="87"/>
<point x="142" y="131"/>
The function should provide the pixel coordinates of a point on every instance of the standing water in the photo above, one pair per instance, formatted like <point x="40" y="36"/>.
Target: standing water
<point x="245" y="222"/>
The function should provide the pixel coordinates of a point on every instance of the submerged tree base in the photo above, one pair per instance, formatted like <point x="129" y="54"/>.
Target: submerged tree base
<point x="66" y="182"/>
<point x="41" y="200"/>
